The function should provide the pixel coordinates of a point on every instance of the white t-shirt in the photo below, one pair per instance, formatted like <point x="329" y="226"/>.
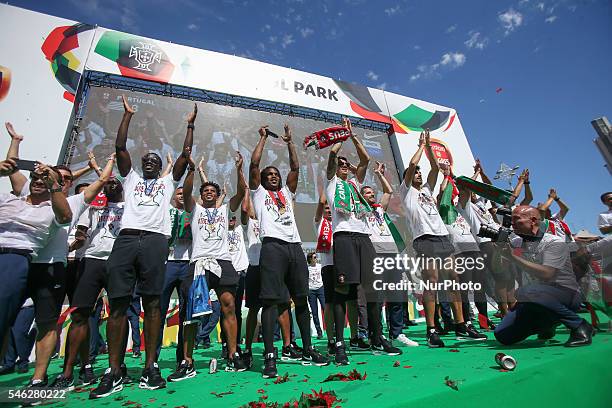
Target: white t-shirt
<point x="460" y="235"/>
<point x="56" y="249"/>
<point x="274" y="222"/>
<point x="604" y="219"/>
<point x="477" y="215"/>
<point x="422" y="212"/>
<point x="253" y="242"/>
<point x="237" y="249"/>
<point x="180" y="250"/>
<point x="78" y="254"/>
<point x="342" y="221"/>
<point x="23" y="225"/>
<point x="549" y="251"/>
<point x="147" y="203"/>
<point x="209" y="232"/>
<point x="381" y="234"/>
<point x="326" y="258"/>
<point x="104" y="225"/>
<point x="315" y="281"/>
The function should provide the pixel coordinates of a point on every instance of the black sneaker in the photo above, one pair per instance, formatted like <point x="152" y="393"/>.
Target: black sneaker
<point x="433" y="339"/>
<point x="109" y="384"/>
<point x="136" y="354"/>
<point x="151" y="378"/>
<point x="33" y="384"/>
<point x="87" y="376"/>
<point x="269" y="369"/>
<point x="340" y="357"/>
<point x="296" y="347"/>
<point x="63" y="383"/>
<point x="312" y="356"/>
<point x="247" y="358"/>
<point x="357" y="343"/>
<point x="467" y="331"/>
<point x="331" y="348"/>
<point x="235" y="363"/>
<point x="384" y="346"/>
<point x="224" y="352"/>
<point x="290" y="353"/>
<point x="183" y="372"/>
<point x="127" y="380"/>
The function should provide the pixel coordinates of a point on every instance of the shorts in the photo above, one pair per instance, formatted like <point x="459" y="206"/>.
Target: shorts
<point x="47" y="288"/>
<point x="353" y="256"/>
<point x="137" y="258"/>
<point x="14" y="268"/>
<point x="252" y="287"/>
<point x="72" y="277"/>
<point x="92" y="277"/>
<point x="328" y="274"/>
<point x="228" y="282"/>
<point x="284" y="271"/>
<point x="433" y="246"/>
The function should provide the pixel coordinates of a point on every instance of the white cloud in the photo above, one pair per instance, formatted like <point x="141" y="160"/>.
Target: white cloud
<point x="523" y="2"/>
<point x="416" y="47"/>
<point x="306" y="32"/>
<point x="372" y="76"/>
<point x="540" y="6"/>
<point x="382" y="86"/>
<point x="451" y="29"/>
<point x="266" y="27"/>
<point x="287" y="40"/>
<point x="551" y="19"/>
<point x="453" y="59"/>
<point x="476" y="41"/>
<point x="392" y="10"/>
<point x="272" y="39"/>
<point x="510" y="20"/>
<point x="193" y="27"/>
<point x="449" y="61"/>
<point x="414" y="77"/>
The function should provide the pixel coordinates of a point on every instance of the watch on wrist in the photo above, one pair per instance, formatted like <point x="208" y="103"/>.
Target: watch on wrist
<point x="190" y="126"/>
<point x="56" y="190"/>
<point x="191" y="168"/>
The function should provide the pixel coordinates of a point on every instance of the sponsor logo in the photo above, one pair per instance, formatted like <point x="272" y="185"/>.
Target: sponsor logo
<point x="442" y="152"/>
<point x="145" y="55"/>
<point x="308" y="89"/>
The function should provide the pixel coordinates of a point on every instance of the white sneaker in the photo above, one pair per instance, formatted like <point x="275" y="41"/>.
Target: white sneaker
<point x="406" y="341"/>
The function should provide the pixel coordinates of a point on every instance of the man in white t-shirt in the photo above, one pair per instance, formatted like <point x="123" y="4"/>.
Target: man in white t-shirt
<point x="140" y="253"/>
<point x="210" y="255"/>
<point x="284" y="272"/>
<point x="604" y="221"/>
<point x="315" y="291"/>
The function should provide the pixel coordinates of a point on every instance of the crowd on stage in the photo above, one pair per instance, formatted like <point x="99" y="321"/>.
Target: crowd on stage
<point x="139" y="232"/>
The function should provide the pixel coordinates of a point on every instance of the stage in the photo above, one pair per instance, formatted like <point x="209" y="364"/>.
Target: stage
<point x="547" y="374"/>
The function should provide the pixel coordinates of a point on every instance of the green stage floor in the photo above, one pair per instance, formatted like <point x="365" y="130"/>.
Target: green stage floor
<point x="547" y="374"/>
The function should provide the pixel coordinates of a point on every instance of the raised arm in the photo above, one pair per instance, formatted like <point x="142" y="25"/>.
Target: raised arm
<point x="332" y="161"/>
<point x="188" y="200"/>
<point x="254" y="174"/>
<point x="93" y="164"/>
<point x="362" y="153"/>
<point x="182" y="161"/>
<point x="432" y="177"/>
<point x="517" y="189"/>
<point x="294" y="163"/>
<point x="563" y="208"/>
<point x="92" y="190"/>
<point x="445" y="172"/>
<point x="528" y="194"/>
<point x="201" y="171"/>
<point x="485" y="178"/>
<point x="246" y="209"/>
<point x="18" y="180"/>
<point x="76" y="174"/>
<point x="241" y="185"/>
<point x="386" y="186"/>
<point x="414" y="162"/>
<point x="59" y="204"/>
<point x="169" y="165"/>
<point x="124" y="162"/>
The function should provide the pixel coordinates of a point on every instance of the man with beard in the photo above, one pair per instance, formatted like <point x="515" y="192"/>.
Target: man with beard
<point x="210" y="256"/>
<point x="140" y="253"/>
<point x="284" y="272"/>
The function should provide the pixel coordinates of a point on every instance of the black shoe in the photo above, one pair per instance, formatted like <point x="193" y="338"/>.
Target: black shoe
<point x="7" y="370"/>
<point x="465" y="331"/>
<point x="54" y="356"/>
<point x="433" y="339"/>
<point x="136" y="354"/>
<point x="183" y="372"/>
<point x="87" y="376"/>
<point x="312" y="356"/>
<point x="547" y="333"/>
<point x="127" y="380"/>
<point x="109" y="384"/>
<point x="247" y="358"/>
<point x="33" y="384"/>
<point x="224" y="352"/>
<point x="235" y="363"/>
<point x="63" y="383"/>
<point x="290" y="353"/>
<point x="331" y="348"/>
<point x="151" y="378"/>
<point x="22" y="368"/>
<point x="340" y="357"/>
<point x="269" y="369"/>
<point x="411" y="323"/>
<point x="581" y="335"/>
<point x="357" y="343"/>
<point x="385" y="346"/>
<point x="296" y="347"/>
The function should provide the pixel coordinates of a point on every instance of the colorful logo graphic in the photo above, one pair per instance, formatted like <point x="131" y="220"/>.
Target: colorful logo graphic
<point x="442" y="152"/>
<point x="5" y="81"/>
<point x="136" y="57"/>
<point x="58" y="48"/>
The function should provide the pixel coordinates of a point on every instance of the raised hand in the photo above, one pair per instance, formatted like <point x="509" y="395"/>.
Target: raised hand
<point x="380" y="168"/>
<point x="526" y="179"/>
<point x="422" y="139"/>
<point x="262" y="131"/>
<point x="552" y="193"/>
<point x="12" y="133"/>
<point x="239" y="160"/>
<point x="126" y="105"/>
<point x="201" y="164"/>
<point x="427" y="137"/>
<point x="287" y="136"/>
<point x="7" y="167"/>
<point x="92" y="163"/>
<point x="170" y="160"/>
<point x="524" y="173"/>
<point x="445" y="170"/>
<point x="346" y="122"/>
<point x="192" y="116"/>
<point x="48" y="175"/>
<point x="477" y="166"/>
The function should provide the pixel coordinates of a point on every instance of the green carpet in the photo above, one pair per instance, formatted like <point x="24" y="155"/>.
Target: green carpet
<point x="547" y="374"/>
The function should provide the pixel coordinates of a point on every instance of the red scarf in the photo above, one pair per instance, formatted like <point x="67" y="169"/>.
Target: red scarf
<point x="324" y="241"/>
<point x="551" y="227"/>
<point x="281" y="199"/>
<point x="327" y="137"/>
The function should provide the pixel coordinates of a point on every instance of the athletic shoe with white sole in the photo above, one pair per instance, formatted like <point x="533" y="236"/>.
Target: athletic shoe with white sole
<point x="183" y="372"/>
<point x="151" y="378"/>
<point x="402" y="338"/>
<point x="109" y="384"/>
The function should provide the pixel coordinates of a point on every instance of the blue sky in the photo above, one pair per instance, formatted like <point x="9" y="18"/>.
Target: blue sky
<point x="552" y="59"/>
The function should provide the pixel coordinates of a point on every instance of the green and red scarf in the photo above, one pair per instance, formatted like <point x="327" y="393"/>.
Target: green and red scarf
<point x="180" y="225"/>
<point x="349" y="200"/>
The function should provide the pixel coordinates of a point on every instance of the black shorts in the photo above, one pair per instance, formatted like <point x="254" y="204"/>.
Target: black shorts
<point x="47" y="288"/>
<point x="228" y="282"/>
<point x="433" y="246"/>
<point x="92" y="277"/>
<point x="328" y="275"/>
<point x="284" y="271"/>
<point x="137" y="258"/>
<point x="72" y="276"/>
<point x="252" y="287"/>
<point x="353" y="256"/>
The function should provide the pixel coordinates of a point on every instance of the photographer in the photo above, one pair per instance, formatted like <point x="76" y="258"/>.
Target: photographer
<point x="551" y="293"/>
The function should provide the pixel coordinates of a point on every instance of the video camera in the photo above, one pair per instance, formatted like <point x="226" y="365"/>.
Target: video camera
<point x="501" y="234"/>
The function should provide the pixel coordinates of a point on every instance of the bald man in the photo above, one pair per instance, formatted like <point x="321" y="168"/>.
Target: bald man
<point x="550" y="294"/>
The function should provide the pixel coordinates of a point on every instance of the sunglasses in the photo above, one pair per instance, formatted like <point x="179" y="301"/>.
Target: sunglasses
<point x="343" y="164"/>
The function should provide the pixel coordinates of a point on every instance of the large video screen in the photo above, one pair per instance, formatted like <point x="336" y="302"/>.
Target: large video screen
<point x="159" y="125"/>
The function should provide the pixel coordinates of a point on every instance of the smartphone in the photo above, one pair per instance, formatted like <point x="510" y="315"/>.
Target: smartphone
<point x="271" y="133"/>
<point x="28" y="165"/>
